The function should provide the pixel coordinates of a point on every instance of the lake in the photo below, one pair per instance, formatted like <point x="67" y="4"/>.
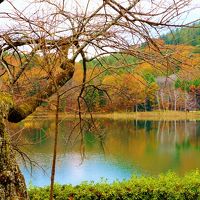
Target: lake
<point x="115" y="150"/>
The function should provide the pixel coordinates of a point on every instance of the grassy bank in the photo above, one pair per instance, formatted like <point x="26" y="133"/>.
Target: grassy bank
<point x="153" y="115"/>
<point x="163" y="187"/>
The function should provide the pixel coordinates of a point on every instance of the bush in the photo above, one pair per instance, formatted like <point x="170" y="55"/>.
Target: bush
<point x="169" y="186"/>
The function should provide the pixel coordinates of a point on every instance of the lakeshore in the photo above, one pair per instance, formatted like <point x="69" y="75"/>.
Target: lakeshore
<point x="153" y="115"/>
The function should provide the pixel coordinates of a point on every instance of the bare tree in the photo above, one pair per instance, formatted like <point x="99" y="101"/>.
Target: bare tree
<point x="39" y="49"/>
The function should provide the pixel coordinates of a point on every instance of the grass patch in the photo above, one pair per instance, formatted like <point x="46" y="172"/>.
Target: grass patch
<point x="153" y="115"/>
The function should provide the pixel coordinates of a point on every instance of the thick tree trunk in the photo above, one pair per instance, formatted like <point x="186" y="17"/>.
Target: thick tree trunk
<point x="12" y="184"/>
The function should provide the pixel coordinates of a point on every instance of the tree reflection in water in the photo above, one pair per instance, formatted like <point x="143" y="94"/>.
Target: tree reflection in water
<point x="118" y="150"/>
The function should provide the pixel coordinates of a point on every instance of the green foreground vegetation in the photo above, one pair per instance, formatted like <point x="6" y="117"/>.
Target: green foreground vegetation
<point x="168" y="186"/>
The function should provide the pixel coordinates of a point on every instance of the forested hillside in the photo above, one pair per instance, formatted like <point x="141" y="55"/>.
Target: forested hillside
<point x="122" y="82"/>
<point x="144" y="85"/>
<point x="189" y="36"/>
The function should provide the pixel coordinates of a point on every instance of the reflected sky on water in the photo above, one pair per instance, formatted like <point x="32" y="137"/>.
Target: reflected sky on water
<point x="70" y="169"/>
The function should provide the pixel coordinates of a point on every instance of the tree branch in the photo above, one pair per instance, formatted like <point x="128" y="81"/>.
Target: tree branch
<point x="27" y="107"/>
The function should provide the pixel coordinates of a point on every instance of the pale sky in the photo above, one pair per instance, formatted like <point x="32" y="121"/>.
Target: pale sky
<point x="81" y="5"/>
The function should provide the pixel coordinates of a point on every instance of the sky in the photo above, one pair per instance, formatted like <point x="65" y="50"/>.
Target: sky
<point x="82" y="4"/>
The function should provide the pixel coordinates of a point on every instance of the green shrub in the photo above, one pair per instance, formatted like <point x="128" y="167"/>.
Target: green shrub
<point x="169" y="186"/>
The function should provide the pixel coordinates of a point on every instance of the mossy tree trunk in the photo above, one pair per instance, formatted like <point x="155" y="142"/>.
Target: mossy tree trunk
<point x="12" y="183"/>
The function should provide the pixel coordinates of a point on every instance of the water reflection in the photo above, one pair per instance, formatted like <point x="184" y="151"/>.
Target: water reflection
<point x="118" y="150"/>
<point x="71" y="169"/>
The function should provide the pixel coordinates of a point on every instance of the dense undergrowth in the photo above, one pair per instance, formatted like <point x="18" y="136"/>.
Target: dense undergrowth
<point x="168" y="186"/>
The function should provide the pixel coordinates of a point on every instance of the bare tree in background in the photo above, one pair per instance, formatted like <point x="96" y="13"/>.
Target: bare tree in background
<point x="47" y="37"/>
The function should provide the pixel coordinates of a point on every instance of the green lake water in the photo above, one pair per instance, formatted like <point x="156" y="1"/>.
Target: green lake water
<point x="118" y="150"/>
